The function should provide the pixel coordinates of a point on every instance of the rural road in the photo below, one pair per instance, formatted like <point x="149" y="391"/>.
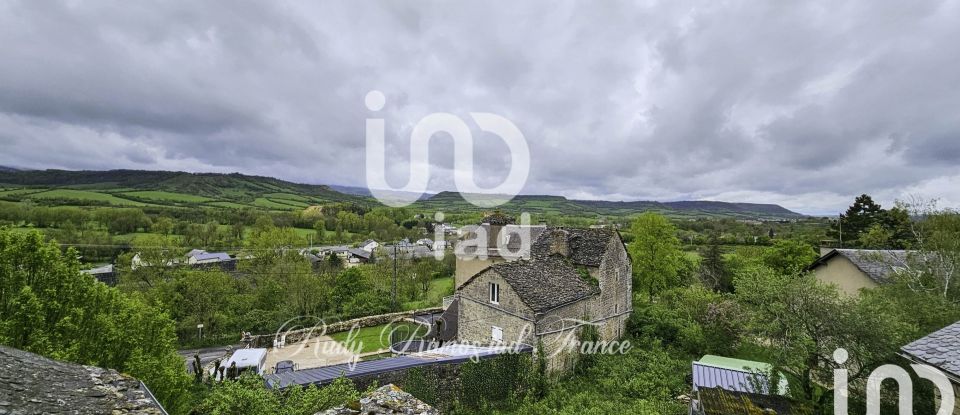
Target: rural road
<point x="207" y="355"/>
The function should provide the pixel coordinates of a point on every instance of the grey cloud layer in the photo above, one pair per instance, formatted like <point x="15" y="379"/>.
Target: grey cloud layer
<point x="804" y="104"/>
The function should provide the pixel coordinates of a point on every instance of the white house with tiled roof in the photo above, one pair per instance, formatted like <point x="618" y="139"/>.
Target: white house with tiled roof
<point x="851" y="270"/>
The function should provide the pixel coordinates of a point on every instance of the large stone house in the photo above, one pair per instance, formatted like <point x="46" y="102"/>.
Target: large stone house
<point x="573" y="277"/>
<point x="854" y="269"/>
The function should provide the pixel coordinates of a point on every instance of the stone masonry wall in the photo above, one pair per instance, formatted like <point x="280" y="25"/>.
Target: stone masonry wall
<point x="559" y="330"/>
<point x="436" y="385"/>
<point x="616" y="285"/>
<point x="478" y="316"/>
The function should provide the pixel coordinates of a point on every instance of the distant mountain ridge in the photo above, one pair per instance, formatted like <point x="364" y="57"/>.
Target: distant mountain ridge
<point x="239" y="190"/>
<point x="547" y="204"/>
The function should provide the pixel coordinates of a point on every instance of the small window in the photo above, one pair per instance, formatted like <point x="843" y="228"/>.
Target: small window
<point x="496" y="334"/>
<point x="494" y="293"/>
<point x="616" y="308"/>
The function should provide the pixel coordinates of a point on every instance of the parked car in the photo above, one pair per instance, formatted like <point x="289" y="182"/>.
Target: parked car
<point x="284" y="366"/>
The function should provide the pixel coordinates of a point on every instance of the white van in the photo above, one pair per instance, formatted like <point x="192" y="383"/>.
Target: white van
<point x="248" y="360"/>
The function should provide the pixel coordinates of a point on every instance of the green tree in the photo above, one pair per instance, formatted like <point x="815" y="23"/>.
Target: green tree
<point x="713" y="272"/>
<point x="319" y="229"/>
<point x="162" y="225"/>
<point x="656" y="253"/>
<point x="877" y="237"/>
<point x="248" y="396"/>
<point x="154" y="257"/>
<point x="934" y="263"/>
<point x="801" y="322"/>
<point x="859" y="217"/>
<point x="48" y="307"/>
<point x="789" y="257"/>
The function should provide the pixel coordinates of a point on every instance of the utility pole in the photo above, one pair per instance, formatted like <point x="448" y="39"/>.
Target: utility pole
<point x="395" y="276"/>
<point x="841" y="231"/>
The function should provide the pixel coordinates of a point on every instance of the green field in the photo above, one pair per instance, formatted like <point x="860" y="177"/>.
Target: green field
<point x="439" y="288"/>
<point x="85" y="195"/>
<point x="269" y="204"/>
<point x="231" y="205"/>
<point x="288" y="196"/>
<point x="375" y="338"/>
<point x="168" y="196"/>
<point x="19" y="192"/>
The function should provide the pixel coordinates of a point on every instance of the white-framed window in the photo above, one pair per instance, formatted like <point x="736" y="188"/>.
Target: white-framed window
<point x="494" y="293"/>
<point x="496" y="334"/>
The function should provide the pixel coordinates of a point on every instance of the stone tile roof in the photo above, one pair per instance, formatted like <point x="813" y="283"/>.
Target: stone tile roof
<point x="940" y="349"/>
<point x="33" y="384"/>
<point x="878" y="265"/>
<point x="498" y="219"/>
<point x="586" y="246"/>
<point x="545" y="283"/>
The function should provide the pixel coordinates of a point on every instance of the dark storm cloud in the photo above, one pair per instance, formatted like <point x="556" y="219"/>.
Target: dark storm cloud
<point x="805" y="104"/>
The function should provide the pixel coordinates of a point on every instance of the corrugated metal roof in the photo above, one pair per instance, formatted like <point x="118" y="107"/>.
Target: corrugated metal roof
<point x="99" y="270"/>
<point x="208" y="256"/>
<point x="323" y="375"/>
<point x="718" y="372"/>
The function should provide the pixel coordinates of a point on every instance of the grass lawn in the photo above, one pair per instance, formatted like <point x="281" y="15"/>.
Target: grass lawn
<point x="375" y="338"/>
<point x="439" y="288"/>
<point x="169" y="196"/>
<point x="85" y="195"/>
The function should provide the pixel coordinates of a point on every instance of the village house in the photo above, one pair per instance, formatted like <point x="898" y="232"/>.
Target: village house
<point x="105" y="274"/>
<point x="854" y="269"/>
<point x="369" y="245"/>
<point x="574" y="278"/>
<point x="200" y="257"/>
<point x="357" y="256"/>
<point x="941" y="349"/>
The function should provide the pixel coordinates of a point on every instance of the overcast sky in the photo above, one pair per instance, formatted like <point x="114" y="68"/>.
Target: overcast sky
<point x="805" y="104"/>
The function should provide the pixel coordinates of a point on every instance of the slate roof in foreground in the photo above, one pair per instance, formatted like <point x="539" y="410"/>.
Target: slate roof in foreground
<point x="33" y="384"/>
<point x="545" y="283"/>
<point x="940" y="349"/>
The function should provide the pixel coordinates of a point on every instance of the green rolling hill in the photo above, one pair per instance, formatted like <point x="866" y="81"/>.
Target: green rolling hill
<point x="215" y="190"/>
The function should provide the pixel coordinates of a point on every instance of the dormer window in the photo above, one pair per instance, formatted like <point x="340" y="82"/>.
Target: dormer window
<point x="494" y="293"/>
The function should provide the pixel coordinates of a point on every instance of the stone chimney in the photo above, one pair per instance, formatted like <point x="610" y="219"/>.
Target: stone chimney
<point x="559" y="242"/>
